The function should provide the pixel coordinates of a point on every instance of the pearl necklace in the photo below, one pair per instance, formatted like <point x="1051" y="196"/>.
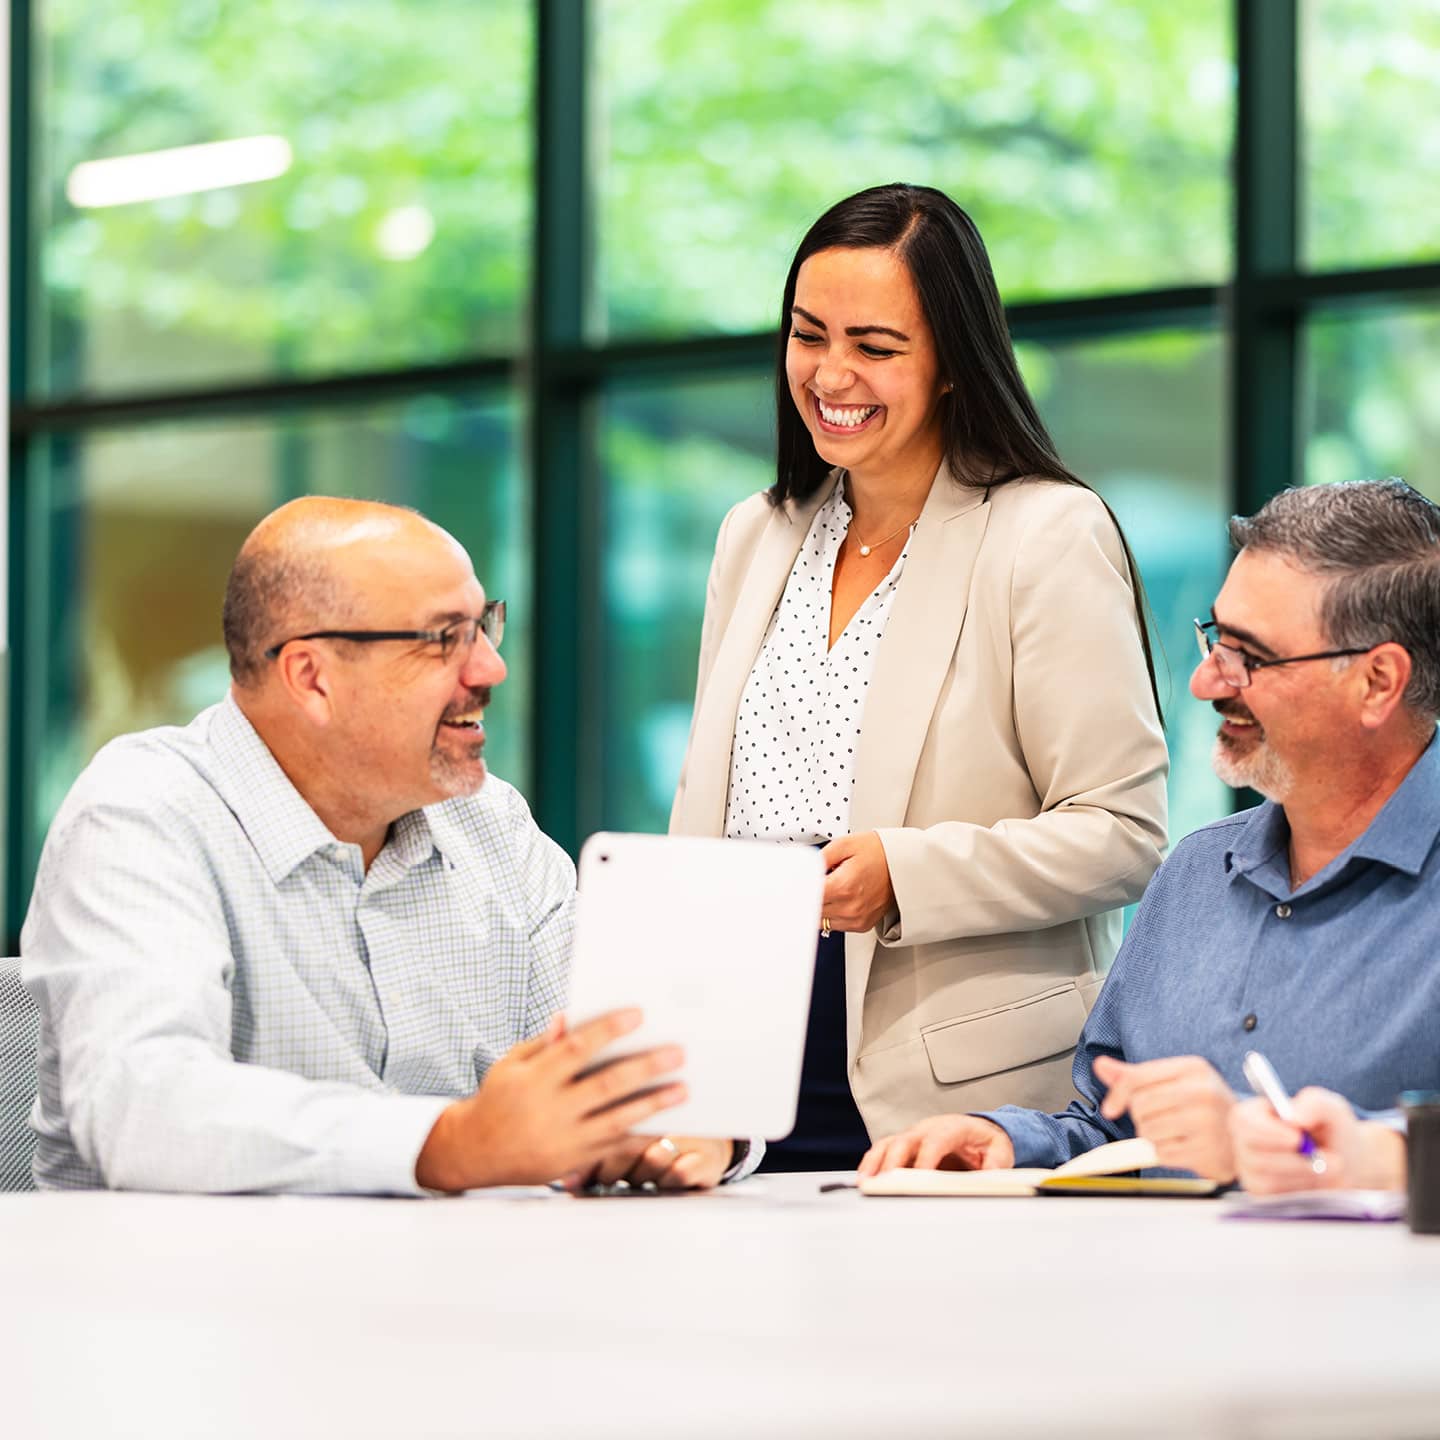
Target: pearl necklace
<point x="866" y="549"/>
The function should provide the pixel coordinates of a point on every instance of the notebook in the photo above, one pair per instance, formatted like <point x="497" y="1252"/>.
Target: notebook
<point x="1097" y="1172"/>
<point x="1317" y="1205"/>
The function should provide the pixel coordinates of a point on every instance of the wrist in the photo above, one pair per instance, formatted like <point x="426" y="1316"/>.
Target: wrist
<point x="739" y="1151"/>
<point x="1000" y="1152"/>
<point x="441" y="1164"/>
<point x="1381" y="1159"/>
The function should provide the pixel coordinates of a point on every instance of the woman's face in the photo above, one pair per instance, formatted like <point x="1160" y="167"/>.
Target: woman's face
<point x="862" y="365"/>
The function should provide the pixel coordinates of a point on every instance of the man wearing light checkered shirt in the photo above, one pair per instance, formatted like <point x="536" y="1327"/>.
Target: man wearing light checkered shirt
<point x="303" y="944"/>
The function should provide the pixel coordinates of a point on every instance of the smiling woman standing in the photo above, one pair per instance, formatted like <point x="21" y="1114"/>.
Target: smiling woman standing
<point x="923" y="649"/>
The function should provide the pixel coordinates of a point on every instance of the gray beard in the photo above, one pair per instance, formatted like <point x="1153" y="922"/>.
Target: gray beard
<point x="1262" y="770"/>
<point x="451" y="779"/>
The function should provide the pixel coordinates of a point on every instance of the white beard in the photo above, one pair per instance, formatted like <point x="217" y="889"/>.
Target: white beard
<point x="1262" y="770"/>
<point x="454" y="779"/>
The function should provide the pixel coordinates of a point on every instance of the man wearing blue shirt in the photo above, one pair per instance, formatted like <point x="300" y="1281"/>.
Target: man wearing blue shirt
<point x="1304" y="928"/>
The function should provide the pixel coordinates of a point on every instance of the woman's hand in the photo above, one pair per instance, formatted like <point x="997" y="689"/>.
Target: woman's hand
<point x="858" y="892"/>
<point x="943" y="1142"/>
<point x="1357" y="1154"/>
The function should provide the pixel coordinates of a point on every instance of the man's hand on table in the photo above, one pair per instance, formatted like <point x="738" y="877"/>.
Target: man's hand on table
<point x="674" y="1162"/>
<point x="943" y="1142"/>
<point x="1180" y="1104"/>
<point x="535" y="1117"/>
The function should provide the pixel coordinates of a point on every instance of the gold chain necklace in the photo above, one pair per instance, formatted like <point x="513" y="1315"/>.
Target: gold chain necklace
<point x="866" y="549"/>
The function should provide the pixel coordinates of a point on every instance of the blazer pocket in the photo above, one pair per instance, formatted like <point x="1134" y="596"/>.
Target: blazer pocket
<point x="982" y="1044"/>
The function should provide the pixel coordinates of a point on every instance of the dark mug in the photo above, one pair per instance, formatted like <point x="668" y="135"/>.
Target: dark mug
<point x="1422" y="1158"/>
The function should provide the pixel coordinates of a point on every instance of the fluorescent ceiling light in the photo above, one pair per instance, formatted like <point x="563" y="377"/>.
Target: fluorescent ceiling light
<point x="186" y="170"/>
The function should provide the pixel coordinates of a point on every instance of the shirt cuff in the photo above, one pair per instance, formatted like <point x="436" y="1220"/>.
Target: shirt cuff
<point x="1031" y="1137"/>
<point x="748" y="1155"/>
<point x="379" y="1148"/>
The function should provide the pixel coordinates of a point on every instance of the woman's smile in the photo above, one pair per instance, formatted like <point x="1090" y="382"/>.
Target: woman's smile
<point x="844" y="419"/>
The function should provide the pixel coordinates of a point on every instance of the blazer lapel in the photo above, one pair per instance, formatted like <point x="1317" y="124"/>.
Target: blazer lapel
<point x="914" y="659"/>
<point x="759" y="594"/>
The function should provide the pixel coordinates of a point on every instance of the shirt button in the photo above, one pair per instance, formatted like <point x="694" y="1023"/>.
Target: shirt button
<point x="1283" y="911"/>
<point x="1250" y="1022"/>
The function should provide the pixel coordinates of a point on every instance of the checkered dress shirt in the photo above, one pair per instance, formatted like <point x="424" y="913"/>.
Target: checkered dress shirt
<point x="191" y="911"/>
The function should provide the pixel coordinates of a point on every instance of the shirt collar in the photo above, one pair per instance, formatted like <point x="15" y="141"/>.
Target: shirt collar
<point x="1263" y="833"/>
<point x="1401" y="836"/>
<point x="413" y="839"/>
<point x="947" y="497"/>
<point x="278" y="820"/>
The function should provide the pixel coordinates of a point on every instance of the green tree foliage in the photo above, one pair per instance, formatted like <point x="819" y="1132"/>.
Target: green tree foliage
<point x="424" y="105"/>
<point x="1371" y="142"/>
<point x="1372" y="131"/>
<point x="1089" y="139"/>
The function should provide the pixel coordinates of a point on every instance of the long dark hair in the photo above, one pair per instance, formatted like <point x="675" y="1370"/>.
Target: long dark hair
<point x="992" y="431"/>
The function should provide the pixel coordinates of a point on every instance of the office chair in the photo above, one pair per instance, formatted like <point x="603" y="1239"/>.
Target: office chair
<point x="19" y="1037"/>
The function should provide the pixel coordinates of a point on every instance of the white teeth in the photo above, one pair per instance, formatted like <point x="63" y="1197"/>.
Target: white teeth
<point x="473" y="718"/>
<point x="847" y="415"/>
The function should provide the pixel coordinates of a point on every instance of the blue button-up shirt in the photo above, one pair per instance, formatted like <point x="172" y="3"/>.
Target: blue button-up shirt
<point x="1337" y="982"/>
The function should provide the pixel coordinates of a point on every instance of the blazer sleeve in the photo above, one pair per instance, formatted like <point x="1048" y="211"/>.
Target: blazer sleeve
<point x="710" y="630"/>
<point x="1087" y="729"/>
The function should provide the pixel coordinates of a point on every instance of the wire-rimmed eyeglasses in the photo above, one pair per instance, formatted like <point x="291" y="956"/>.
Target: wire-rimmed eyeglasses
<point x="490" y="622"/>
<point x="1236" y="664"/>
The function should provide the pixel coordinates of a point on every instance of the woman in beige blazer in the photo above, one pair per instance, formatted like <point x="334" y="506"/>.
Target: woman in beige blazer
<point x="923" y="648"/>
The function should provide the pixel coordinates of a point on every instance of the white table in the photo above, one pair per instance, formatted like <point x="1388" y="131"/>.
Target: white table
<point x="763" y="1310"/>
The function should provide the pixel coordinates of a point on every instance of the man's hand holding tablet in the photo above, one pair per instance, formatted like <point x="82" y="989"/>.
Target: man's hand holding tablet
<point x="537" y="1116"/>
<point x="673" y="1162"/>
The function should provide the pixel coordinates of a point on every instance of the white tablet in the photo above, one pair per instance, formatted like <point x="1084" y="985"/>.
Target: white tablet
<point x="715" y="941"/>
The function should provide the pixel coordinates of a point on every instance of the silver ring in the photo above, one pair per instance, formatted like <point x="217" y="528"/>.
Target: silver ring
<point x="669" y="1146"/>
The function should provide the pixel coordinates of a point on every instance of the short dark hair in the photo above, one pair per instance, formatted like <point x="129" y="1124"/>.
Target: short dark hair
<point x="1377" y="543"/>
<point x="988" y="417"/>
<point x="272" y="591"/>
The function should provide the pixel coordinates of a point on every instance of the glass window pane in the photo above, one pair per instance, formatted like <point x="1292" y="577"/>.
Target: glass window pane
<point x="1139" y="418"/>
<point x="134" y="532"/>
<point x="1372" y="397"/>
<point x="1090" y="141"/>
<point x="676" y="458"/>
<point x="1372" y="131"/>
<point x="394" y="227"/>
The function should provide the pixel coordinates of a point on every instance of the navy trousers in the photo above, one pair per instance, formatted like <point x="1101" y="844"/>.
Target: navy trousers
<point x="829" y="1133"/>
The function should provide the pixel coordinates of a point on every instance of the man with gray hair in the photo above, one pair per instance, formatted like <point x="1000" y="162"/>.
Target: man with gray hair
<point x="1305" y="927"/>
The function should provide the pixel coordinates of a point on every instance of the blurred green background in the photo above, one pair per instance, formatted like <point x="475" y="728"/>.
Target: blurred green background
<point x="522" y="269"/>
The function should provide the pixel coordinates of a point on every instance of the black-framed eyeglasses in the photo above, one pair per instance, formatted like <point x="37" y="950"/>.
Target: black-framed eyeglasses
<point x="490" y="622"/>
<point x="1236" y="664"/>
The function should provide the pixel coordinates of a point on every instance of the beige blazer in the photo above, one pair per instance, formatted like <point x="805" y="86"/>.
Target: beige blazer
<point x="1010" y="759"/>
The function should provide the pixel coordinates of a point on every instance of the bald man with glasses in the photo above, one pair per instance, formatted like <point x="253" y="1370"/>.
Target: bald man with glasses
<point x="303" y="943"/>
<point x="1304" y="928"/>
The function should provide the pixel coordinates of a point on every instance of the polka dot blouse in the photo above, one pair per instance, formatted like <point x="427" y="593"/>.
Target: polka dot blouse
<point x="792" y="763"/>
